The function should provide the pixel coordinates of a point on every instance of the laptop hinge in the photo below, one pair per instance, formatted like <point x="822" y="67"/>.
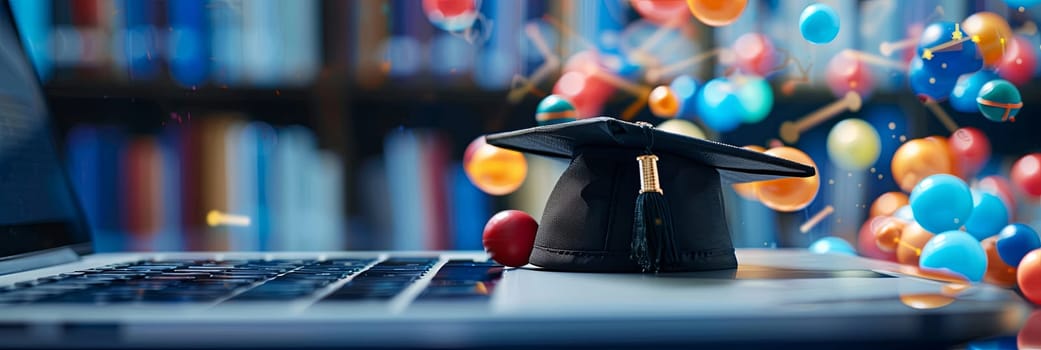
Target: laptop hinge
<point x="37" y="260"/>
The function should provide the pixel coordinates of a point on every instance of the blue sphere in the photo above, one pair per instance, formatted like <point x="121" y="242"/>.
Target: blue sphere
<point x="819" y="24"/>
<point x="988" y="217"/>
<point x="956" y="252"/>
<point x="685" y="88"/>
<point x="941" y="203"/>
<point x="952" y="61"/>
<point x="1015" y="241"/>
<point x="963" y="97"/>
<point x="832" y="245"/>
<point x="719" y="106"/>
<point x="927" y="84"/>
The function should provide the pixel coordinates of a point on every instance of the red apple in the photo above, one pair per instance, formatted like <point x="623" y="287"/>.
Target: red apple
<point x="509" y="237"/>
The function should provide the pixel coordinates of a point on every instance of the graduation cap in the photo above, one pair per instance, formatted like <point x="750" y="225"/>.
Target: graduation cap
<point x="635" y="198"/>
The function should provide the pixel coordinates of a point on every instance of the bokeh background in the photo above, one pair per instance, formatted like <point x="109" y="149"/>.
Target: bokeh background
<point x="342" y="124"/>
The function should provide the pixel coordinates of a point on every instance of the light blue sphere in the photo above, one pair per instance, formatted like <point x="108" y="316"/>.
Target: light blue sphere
<point x="719" y="106"/>
<point x="685" y="88"/>
<point x="941" y="202"/>
<point x="957" y="252"/>
<point x="819" y="24"/>
<point x="832" y="245"/>
<point x="967" y="89"/>
<point x="988" y="217"/>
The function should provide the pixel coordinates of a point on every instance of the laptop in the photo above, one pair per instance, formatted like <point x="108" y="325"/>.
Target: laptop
<point x="54" y="292"/>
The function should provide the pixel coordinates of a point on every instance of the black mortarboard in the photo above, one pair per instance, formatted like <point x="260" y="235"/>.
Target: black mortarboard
<point x="610" y="212"/>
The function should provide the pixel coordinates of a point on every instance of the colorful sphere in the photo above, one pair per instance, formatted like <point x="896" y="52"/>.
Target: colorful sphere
<point x="929" y="84"/>
<point x="832" y="245"/>
<point x="555" y="109"/>
<point x="971" y="149"/>
<point x="956" y="252"/>
<point x="685" y="88"/>
<point x="941" y="203"/>
<point x="789" y="194"/>
<point x="887" y="235"/>
<point x="999" y="100"/>
<point x="755" y="96"/>
<point x="847" y="73"/>
<point x="947" y="62"/>
<point x="819" y="24"/>
<point x="451" y="15"/>
<point x="754" y="53"/>
<point x="681" y="127"/>
<point x="988" y="217"/>
<point x="663" y="103"/>
<point x="1015" y="241"/>
<point x="496" y="171"/>
<point x="1026" y="174"/>
<point x="1001" y="187"/>
<point x="717" y="13"/>
<point x="967" y="89"/>
<point x="912" y="240"/>
<point x="853" y="144"/>
<point x="866" y="242"/>
<point x="991" y="32"/>
<point x="509" y="237"/>
<point x="1029" y="336"/>
<point x="887" y="204"/>
<point x="1028" y="276"/>
<point x="917" y="159"/>
<point x="998" y="272"/>
<point x="748" y="190"/>
<point x="1019" y="63"/>
<point x="580" y="85"/>
<point x="670" y="13"/>
<point x="719" y="105"/>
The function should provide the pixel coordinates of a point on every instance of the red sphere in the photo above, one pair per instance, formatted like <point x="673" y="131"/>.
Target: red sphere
<point x="1019" y="62"/>
<point x="847" y="73"/>
<point x="754" y="53"/>
<point x="509" y="237"/>
<point x="866" y="241"/>
<point x="1030" y="335"/>
<point x="970" y="149"/>
<point x="1026" y="174"/>
<point x="1029" y="276"/>
<point x="581" y="85"/>
<point x="670" y="13"/>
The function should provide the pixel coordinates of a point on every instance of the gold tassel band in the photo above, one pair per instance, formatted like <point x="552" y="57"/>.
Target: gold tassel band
<point x="649" y="173"/>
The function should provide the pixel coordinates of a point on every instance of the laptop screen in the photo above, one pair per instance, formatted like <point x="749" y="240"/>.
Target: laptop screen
<point x="38" y="210"/>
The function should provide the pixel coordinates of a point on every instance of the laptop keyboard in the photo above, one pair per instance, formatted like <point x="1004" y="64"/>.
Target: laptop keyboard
<point x="212" y="281"/>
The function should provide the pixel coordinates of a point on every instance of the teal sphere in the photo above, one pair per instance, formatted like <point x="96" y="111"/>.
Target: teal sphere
<point x="999" y="100"/>
<point x="555" y="109"/>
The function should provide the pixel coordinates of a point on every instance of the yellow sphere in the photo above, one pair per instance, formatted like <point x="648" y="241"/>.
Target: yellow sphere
<point x="663" y="102"/>
<point x="991" y="33"/>
<point x="496" y="171"/>
<point x="681" y="127"/>
<point x="748" y="189"/>
<point x="792" y="193"/>
<point x="853" y="144"/>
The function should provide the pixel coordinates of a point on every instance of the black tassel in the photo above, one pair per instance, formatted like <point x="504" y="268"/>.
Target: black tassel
<point x="652" y="221"/>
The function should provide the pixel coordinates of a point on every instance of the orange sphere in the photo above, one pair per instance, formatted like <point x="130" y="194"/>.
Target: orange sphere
<point x="663" y="102"/>
<point x="748" y="189"/>
<point x="998" y="272"/>
<point x="991" y="33"/>
<point x="888" y="203"/>
<point x="496" y="171"/>
<point x="717" y="13"/>
<point x="918" y="159"/>
<point x="887" y="235"/>
<point x="793" y="193"/>
<point x="912" y="240"/>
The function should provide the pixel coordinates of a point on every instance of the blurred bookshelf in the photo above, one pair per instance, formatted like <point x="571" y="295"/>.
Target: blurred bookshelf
<point x="341" y="124"/>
